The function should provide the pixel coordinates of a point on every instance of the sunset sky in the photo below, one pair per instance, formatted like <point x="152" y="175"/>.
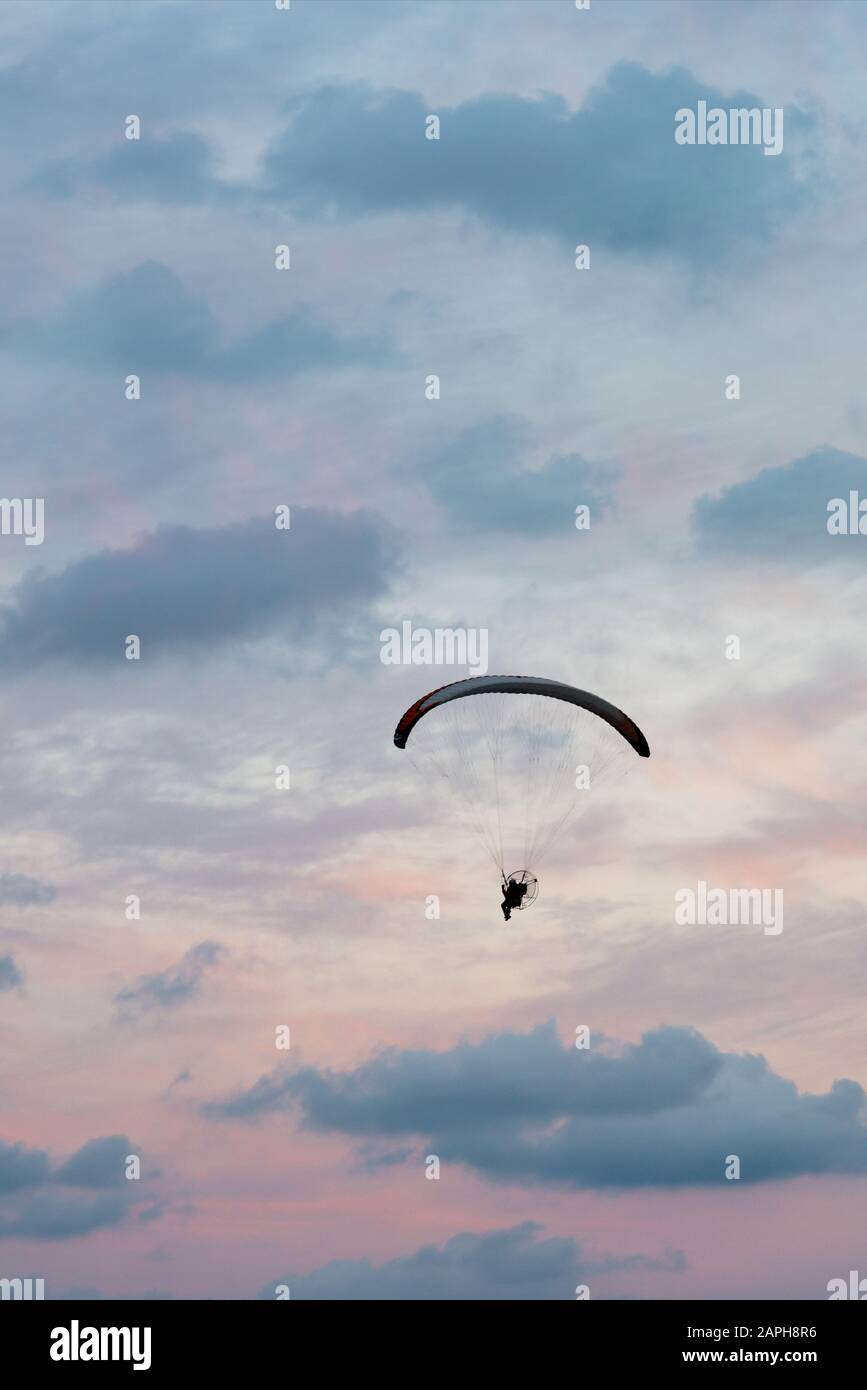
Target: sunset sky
<point x="264" y="907"/>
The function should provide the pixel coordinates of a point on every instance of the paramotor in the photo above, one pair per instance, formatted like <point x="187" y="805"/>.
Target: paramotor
<point x="520" y="757"/>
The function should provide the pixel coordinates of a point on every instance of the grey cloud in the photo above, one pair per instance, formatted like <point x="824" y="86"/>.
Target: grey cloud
<point x="506" y="1075"/>
<point x="75" y="1295"/>
<point x="179" y="68"/>
<point x="60" y="1216"/>
<point x="176" y="168"/>
<point x="608" y="173"/>
<point x="145" y="320"/>
<point x="92" y="1295"/>
<point x="782" y="512"/>
<point x="372" y="1159"/>
<point x="98" y="1163"/>
<point x="510" y="1264"/>
<point x="269" y="1093"/>
<point x="10" y="976"/>
<point x="19" y="890"/>
<point x="86" y="1193"/>
<point x="298" y="343"/>
<point x="155" y="1212"/>
<point x="21" y="1168"/>
<point x="182" y="1077"/>
<point x="170" y="988"/>
<point x="481" y="479"/>
<point x="661" y="1113"/>
<point x="179" y="586"/>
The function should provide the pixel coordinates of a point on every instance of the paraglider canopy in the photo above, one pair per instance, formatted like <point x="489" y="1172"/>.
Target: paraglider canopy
<point x="520" y="754"/>
<point x="522" y="685"/>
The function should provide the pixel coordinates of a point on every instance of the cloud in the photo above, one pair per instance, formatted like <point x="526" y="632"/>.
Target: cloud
<point x="608" y="173"/>
<point x="10" y="975"/>
<point x="170" y="988"/>
<point x="782" y="513"/>
<point x="180" y="587"/>
<point x="481" y="480"/>
<point x="62" y="1216"/>
<point x="177" y="168"/>
<point x="92" y="1295"/>
<point x="665" y="1112"/>
<point x="182" y="1078"/>
<point x="21" y="1168"/>
<point x="86" y="1193"/>
<point x="145" y="320"/>
<point x="19" y="890"/>
<point x="98" y="1163"/>
<point x="510" y="1264"/>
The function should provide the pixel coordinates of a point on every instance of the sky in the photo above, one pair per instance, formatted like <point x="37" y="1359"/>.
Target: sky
<point x="172" y="913"/>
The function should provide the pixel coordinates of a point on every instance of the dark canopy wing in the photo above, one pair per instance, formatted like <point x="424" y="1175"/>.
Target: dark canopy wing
<point x="522" y="685"/>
